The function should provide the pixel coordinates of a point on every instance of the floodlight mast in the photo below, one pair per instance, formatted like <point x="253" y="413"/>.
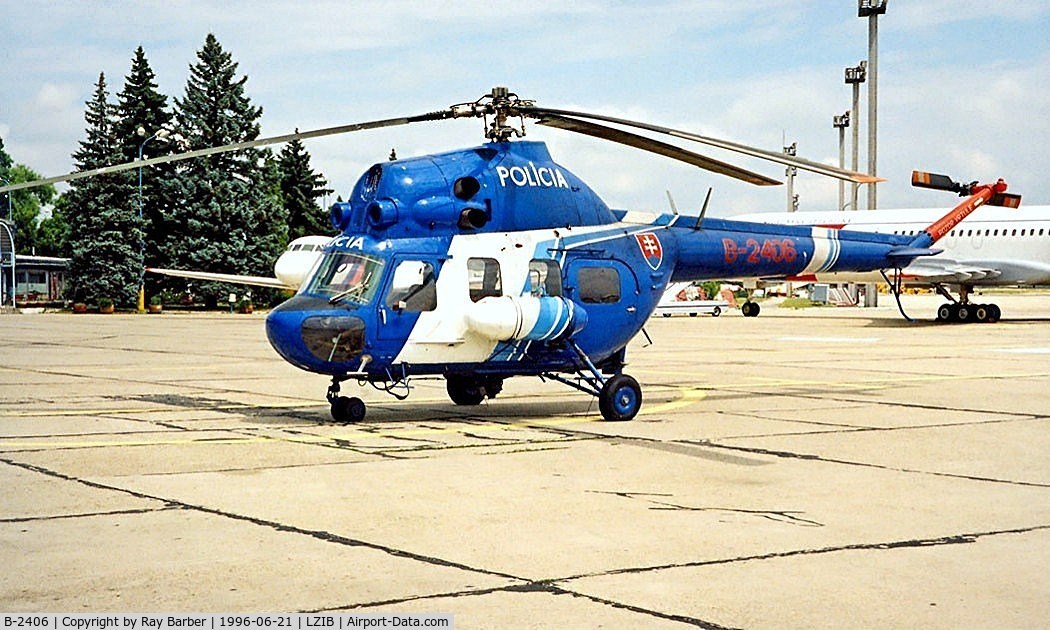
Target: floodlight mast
<point x="840" y="123"/>
<point x="872" y="9"/>
<point x="854" y="77"/>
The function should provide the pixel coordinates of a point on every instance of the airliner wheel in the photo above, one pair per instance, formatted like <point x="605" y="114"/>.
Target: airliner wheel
<point x="620" y="398"/>
<point x="750" y="309"/>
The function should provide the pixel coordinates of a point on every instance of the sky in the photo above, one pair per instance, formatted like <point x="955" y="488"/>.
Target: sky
<point x="963" y="85"/>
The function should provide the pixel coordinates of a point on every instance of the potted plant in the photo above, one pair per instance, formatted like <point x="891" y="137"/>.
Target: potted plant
<point x="156" y="304"/>
<point x="244" y="306"/>
<point x="105" y="305"/>
<point x="79" y="307"/>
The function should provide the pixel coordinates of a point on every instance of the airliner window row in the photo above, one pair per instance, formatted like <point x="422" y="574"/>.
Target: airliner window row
<point x="1021" y="232"/>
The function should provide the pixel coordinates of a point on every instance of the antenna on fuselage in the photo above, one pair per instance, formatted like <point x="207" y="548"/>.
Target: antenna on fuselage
<point x="703" y="211"/>
<point x="670" y="199"/>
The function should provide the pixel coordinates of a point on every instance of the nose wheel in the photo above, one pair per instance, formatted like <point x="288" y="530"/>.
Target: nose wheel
<point x="345" y="409"/>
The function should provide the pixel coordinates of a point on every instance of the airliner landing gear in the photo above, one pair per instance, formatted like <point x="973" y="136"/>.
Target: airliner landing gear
<point x="961" y="310"/>
<point x="750" y="309"/>
<point x="345" y="409"/>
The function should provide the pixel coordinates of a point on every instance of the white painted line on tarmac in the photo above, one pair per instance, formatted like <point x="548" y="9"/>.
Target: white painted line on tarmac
<point x="1023" y="350"/>
<point x="832" y="339"/>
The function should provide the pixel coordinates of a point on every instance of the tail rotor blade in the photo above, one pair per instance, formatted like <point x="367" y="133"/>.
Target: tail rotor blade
<point x="921" y="179"/>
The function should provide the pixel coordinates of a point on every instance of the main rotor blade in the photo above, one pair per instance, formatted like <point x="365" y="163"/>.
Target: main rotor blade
<point x="780" y="158"/>
<point x="237" y="146"/>
<point x="655" y="146"/>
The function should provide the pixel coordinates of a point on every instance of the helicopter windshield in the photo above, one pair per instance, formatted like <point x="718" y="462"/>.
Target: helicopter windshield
<point x="346" y="276"/>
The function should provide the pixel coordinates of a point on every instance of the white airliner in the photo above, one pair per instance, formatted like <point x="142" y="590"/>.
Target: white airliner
<point x="994" y="246"/>
<point x="289" y="271"/>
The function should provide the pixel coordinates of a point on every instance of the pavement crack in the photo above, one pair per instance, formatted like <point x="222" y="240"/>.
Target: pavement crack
<point x="831" y="460"/>
<point x="790" y="517"/>
<point x="955" y="539"/>
<point x="57" y="517"/>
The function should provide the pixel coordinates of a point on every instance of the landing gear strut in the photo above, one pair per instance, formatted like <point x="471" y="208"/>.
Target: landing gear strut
<point x="619" y="396"/>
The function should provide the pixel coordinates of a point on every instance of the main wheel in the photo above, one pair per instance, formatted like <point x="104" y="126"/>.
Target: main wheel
<point x="962" y="313"/>
<point x="946" y="312"/>
<point x="620" y="398"/>
<point x="750" y="309"/>
<point x="980" y="313"/>
<point x="464" y="390"/>
<point x="346" y="410"/>
<point x="994" y="313"/>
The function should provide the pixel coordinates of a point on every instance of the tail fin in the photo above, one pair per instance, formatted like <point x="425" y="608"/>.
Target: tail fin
<point x="976" y="195"/>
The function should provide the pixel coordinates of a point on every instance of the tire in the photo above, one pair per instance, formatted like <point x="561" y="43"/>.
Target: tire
<point x="666" y="314"/>
<point x="346" y="410"/>
<point x="962" y="314"/>
<point x="994" y="313"/>
<point x="716" y="311"/>
<point x="749" y="309"/>
<point x="464" y="390"/>
<point x="944" y="313"/>
<point x="620" y="398"/>
<point x="692" y="314"/>
<point x="981" y="313"/>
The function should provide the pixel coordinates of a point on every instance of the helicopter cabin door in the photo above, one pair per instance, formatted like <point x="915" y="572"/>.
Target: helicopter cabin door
<point x="410" y="290"/>
<point x="608" y="291"/>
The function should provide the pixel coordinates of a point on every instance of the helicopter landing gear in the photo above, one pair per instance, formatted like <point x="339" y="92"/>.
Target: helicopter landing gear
<point x="620" y="398"/>
<point x="345" y="409"/>
<point x="471" y="390"/>
<point x="750" y="309"/>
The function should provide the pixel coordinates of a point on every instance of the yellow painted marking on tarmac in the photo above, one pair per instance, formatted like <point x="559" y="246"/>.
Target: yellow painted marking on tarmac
<point x="684" y="397"/>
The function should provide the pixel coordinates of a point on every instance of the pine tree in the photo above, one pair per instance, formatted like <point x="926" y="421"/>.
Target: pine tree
<point x="104" y="232"/>
<point x="226" y="214"/>
<point x="301" y="187"/>
<point x="141" y="113"/>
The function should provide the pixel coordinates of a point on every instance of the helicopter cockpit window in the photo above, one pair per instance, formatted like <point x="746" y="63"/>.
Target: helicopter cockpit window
<point x="413" y="288"/>
<point x="544" y="277"/>
<point x="483" y="278"/>
<point x="599" y="285"/>
<point x="344" y="275"/>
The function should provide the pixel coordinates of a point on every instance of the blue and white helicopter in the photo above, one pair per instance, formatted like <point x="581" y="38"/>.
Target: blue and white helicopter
<point x="495" y="261"/>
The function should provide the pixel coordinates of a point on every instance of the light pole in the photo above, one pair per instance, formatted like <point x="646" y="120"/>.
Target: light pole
<point x="792" y="201"/>
<point x="9" y="228"/>
<point x="160" y="134"/>
<point x="840" y="123"/>
<point x="854" y="77"/>
<point x="872" y="9"/>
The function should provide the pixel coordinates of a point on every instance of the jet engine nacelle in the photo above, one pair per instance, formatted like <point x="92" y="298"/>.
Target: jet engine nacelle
<point x="526" y="317"/>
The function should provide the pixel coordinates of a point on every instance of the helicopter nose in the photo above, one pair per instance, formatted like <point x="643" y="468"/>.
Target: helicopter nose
<point x="312" y="335"/>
